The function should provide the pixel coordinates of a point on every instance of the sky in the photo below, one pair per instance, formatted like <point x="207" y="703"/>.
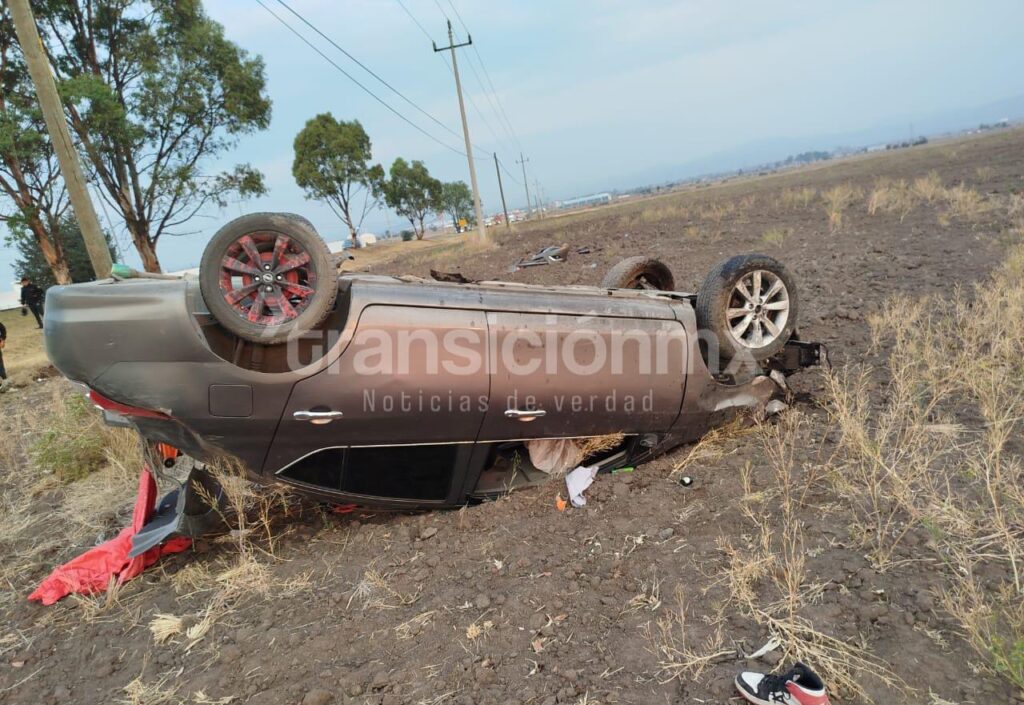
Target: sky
<point x="598" y="92"/>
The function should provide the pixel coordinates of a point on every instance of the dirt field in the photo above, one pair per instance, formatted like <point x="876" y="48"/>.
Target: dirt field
<point x="652" y="593"/>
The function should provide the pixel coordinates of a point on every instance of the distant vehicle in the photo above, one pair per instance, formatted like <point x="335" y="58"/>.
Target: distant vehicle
<point x="299" y="374"/>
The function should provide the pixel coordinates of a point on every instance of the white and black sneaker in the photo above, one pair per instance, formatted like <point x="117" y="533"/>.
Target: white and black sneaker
<point x="797" y="686"/>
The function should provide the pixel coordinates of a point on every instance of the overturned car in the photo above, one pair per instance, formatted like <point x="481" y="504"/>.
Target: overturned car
<point x="406" y="392"/>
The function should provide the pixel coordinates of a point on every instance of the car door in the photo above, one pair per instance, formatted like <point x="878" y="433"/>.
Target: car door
<point x="560" y="375"/>
<point x="411" y="378"/>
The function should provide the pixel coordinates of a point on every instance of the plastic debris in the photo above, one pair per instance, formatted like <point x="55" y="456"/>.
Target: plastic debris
<point x="92" y="571"/>
<point x="577" y="483"/>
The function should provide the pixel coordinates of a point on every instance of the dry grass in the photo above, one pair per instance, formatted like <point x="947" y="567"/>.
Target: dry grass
<point x="666" y="211"/>
<point x="929" y="188"/>
<point x="681" y="655"/>
<point x="984" y="173"/>
<point x="963" y="202"/>
<point x="374" y="591"/>
<point x="74" y="442"/>
<point x="24" y="355"/>
<point x="711" y="446"/>
<point x="46" y="514"/>
<point x="768" y="579"/>
<point x="159" y="692"/>
<point x="837" y="200"/>
<point x="793" y="198"/>
<point x="943" y="452"/>
<point x="776" y="236"/>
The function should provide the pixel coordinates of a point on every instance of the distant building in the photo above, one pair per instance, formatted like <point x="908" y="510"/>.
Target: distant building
<point x="596" y="199"/>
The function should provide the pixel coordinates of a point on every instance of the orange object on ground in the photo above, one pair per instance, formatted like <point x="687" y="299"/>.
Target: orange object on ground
<point x="91" y="572"/>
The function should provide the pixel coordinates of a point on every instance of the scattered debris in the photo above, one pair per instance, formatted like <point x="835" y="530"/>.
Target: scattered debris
<point x="108" y="564"/>
<point x="686" y="481"/>
<point x="577" y="483"/>
<point x="769" y="645"/>
<point x="555" y="456"/>
<point x="553" y="254"/>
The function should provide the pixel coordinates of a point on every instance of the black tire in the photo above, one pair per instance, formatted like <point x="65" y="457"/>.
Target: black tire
<point x="318" y="274"/>
<point x="640" y="273"/>
<point x="718" y="295"/>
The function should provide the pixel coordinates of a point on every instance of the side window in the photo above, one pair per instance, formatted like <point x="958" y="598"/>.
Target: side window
<point x="421" y="472"/>
<point x="403" y="472"/>
<point x="321" y="469"/>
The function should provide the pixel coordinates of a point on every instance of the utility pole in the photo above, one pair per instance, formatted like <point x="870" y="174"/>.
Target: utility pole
<point x="526" y="184"/>
<point x="452" y="46"/>
<point x="57" y="127"/>
<point x="538" y="197"/>
<point x="501" y="190"/>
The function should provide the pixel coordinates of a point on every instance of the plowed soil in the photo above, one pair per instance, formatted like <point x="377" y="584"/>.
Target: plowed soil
<point x="514" y="601"/>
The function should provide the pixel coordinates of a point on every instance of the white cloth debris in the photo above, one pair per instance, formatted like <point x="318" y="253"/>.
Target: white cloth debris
<point x="577" y="483"/>
<point x="554" y="455"/>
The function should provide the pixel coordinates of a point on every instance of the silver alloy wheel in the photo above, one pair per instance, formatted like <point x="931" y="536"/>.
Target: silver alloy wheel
<point x="758" y="309"/>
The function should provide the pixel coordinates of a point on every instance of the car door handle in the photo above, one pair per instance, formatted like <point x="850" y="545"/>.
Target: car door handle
<point x="317" y="417"/>
<point x="524" y="414"/>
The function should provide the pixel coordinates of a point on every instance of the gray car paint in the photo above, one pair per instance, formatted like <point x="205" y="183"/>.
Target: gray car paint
<point x="147" y="343"/>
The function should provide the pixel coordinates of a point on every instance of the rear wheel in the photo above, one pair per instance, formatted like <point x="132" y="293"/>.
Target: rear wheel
<point x="268" y="276"/>
<point x="640" y="273"/>
<point x="749" y="303"/>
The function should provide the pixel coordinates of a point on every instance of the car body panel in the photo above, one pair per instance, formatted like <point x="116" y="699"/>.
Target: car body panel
<point x="153" y="344"/>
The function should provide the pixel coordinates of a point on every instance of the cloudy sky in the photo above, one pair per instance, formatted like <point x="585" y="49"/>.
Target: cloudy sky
<point x="597" y="90"/>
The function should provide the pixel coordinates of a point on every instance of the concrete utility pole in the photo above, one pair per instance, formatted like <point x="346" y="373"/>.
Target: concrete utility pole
<point x="526" y="184"/>
<point x="501" y="190"/>
<point x="57" y="127"/>
<point x="452" y="46"/>
<point x="538" y="197"/>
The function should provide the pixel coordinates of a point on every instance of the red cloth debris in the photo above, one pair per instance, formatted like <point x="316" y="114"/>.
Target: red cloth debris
<point x="91" y="572"/>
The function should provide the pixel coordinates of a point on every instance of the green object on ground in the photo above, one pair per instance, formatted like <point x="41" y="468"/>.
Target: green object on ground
<point x="616" y="472"/>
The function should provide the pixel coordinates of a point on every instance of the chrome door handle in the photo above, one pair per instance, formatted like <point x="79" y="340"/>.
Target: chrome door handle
<point x="317" y="417"/>
<point x="524" y="415"/>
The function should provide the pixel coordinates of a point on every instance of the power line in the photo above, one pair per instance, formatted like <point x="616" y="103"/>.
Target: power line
<point x="356" y="81"/>
<point x="497" y="108"/>
<point x="487" y="75"/>
<point x="472" y="102"/>
<point x="508" y="173"/>
<point x="365" y="67"/>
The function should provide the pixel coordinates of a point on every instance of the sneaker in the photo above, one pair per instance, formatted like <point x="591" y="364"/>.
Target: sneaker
<point x="797" y="686"/>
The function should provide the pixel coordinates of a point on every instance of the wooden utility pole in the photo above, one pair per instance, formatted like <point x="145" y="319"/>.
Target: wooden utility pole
<point x="526" y="184"/>
<point x="57" y="127"/>
<point x="452" y="46"/>
<point x="501" y="190"/>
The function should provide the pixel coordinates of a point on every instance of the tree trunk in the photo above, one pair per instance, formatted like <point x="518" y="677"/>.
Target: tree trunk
<point x="357" y="244"/>
<point x="52" y="251"/>
<point x="145" y="246"/>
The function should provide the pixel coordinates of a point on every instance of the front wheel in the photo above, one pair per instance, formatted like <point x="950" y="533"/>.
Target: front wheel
<point x="749" y="303"/>
<point x="268" y="276"/>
